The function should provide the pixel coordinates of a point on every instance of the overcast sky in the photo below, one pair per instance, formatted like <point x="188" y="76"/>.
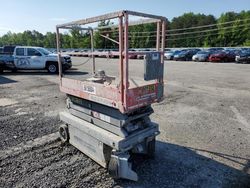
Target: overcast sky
<point x="44" y="15"/>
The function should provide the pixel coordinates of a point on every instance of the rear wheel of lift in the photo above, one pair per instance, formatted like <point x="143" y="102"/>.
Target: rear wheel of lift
<point x="113" y="168"/>
<point x="151" y="149"/>
<point x="64" y="133"/>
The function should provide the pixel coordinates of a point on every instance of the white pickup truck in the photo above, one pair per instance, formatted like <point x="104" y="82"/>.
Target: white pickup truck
<point x="33" y="58"/>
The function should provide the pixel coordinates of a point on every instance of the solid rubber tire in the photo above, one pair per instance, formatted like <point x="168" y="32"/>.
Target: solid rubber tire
<point x="64" y="133"/>
<point x="113" y="168"/>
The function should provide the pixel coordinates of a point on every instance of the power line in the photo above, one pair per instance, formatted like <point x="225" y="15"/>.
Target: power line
<point x="201" y="36"/>
<point x="193" y="32"/>
<point x="204" y="26"/>
<point x="196" y="27"/>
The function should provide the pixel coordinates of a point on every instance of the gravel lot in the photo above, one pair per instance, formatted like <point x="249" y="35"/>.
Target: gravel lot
<point x="204" y="122"/>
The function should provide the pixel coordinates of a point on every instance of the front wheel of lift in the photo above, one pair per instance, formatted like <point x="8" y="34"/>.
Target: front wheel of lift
<point x="64" y="133"/>
<point x="113" y="168"/>
<point x="121" y="167"/>
<point x="151" y="149"/>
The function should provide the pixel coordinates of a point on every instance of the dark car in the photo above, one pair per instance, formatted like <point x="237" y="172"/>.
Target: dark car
<point x="185" y="55"/>
<point x="237" y="52"/>
<point x="8" y="49"/>
<point x="1" y="66"/>
<point x="222" y="56"/>
<point x="215" y="49"/>
<point x="6" y="58"/>
<point x="243" y="57"/>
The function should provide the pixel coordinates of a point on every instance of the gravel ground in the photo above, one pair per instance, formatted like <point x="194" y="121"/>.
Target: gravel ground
<point x="204" y="122"/>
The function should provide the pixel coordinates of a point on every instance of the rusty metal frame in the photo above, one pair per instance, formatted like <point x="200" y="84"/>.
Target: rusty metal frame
<point x="121" y="97"/>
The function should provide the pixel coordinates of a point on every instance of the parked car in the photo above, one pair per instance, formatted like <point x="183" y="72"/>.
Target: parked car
<point x="6" y="58"/>
<point x="236" y="51"/>
<point x="113" y="53"/>
<point x="215" y="49"/>
<point x="243" y="57"/>
<point x="31" y="58"/>
<point x="222" y="56"/>
<point x="201" y="56"/>
<point x="170" y="55"/>
<point x="1" y="50"/>
<point x="8" y="50"/>
<point x="142" y="56"/>
<point x="132" y="55"/>
<point x="185" y="55"/>
<point x="1" y="66"/>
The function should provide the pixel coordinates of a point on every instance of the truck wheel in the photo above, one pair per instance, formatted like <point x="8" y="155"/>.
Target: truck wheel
<point x="64" y="133"/>
<point x="52" y="68"/>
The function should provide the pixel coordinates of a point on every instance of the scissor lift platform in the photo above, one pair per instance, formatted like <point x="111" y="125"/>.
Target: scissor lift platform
<point x="107" y="117"/>
<point x="105" y="134"/>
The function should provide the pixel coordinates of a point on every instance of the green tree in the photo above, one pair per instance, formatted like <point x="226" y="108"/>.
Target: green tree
<point x="50" y="40"/>
<point x="230" y="29"/>
<point x="189" y="20"/>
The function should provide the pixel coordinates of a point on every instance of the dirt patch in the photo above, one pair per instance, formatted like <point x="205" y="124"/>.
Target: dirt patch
<point x="7" y="102"/>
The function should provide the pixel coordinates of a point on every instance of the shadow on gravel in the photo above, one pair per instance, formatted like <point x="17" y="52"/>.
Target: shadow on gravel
<point x="178" y="166"/>
<point x="4" y="80"/>
<point x="221" y="62"/>
<point x="76" y="73"/>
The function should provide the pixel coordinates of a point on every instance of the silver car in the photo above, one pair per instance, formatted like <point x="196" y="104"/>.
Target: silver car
<point x="201" y="56"/>
<point x="169" y="55"/>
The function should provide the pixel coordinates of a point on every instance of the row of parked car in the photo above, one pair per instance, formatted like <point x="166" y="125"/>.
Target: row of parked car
<point x="240" y="55"/>
<point x="106" y="53"/>
<point x="212" y="55"/>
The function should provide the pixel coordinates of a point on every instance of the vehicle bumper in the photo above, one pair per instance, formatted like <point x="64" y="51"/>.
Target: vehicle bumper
<point x="168" y="57"/>
<point x="1" y="66"/>
<point x="179" y="58"/>
<point x="8" y="65"/>
<point x="215" y="59"/>
<point x="202" y="59"/>
<point x="242" y="60"/>
<point x="195" y="58"/>
<point x="66" y="66"/>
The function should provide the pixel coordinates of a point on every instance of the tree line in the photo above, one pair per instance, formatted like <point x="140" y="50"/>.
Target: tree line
<point x="187" y="30"/>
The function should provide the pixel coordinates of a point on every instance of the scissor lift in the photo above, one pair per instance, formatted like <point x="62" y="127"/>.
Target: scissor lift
<point x="108" y="117"/>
